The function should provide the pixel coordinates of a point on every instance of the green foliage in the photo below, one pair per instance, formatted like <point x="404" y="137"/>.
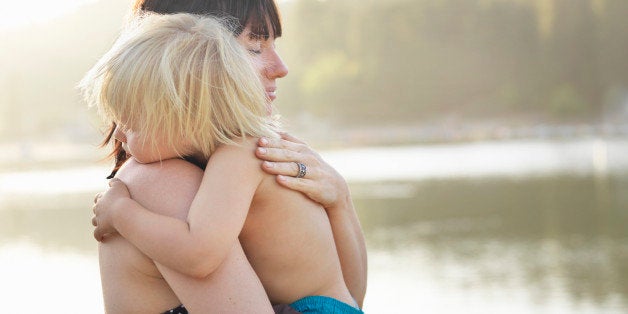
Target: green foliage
<point x="565" y="101"/>
<point x="367" y="61"/>
<point x="402" y="59"/>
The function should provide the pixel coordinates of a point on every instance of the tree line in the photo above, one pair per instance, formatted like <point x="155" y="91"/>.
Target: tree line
<point x="367" y="62"/>
<point x="361" y="61"/>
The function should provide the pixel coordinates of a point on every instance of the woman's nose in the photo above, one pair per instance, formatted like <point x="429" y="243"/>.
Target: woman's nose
<point x="275" y="67"/>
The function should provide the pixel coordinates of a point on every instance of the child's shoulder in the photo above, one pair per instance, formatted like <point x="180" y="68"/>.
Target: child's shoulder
<point x="241" y="147"/>
<point x="246" y="142"/>
<point x="238" y="157"/>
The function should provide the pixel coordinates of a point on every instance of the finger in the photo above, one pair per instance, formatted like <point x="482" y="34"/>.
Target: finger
<point x="107" y="236"/>
<point x="279" y="143"/>
<point x="263" y="141"/>
<point x="97" y="197"/>
<point x="114" y="181"/>
<point x="104" y="237"/>
<point x="94" y="221"/>
<point x="277" y="154"/>
<point x="118" y="188"/>
<point x="291" y="138"/>
<point x="97" y="235"/>
<point x="281" y="168"/>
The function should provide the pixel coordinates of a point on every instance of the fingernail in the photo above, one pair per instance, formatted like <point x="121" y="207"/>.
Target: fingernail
<point x="263" y="141"/>
<point x="261" y="150"/>
<point x="268" y="164"/>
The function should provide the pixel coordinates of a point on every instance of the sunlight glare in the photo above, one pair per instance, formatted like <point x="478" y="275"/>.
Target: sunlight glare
<point x="16" y="14"/>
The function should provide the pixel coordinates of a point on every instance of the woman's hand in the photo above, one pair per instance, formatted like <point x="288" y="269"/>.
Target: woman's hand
<point x="105" y="207"/>
<point x="321" y="183"/>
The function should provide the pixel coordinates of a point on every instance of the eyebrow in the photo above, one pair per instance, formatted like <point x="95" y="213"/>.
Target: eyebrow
<point x="252" y="35"/>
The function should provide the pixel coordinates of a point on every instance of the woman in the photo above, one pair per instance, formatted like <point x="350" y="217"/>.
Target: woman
<point x="286" y="157"/>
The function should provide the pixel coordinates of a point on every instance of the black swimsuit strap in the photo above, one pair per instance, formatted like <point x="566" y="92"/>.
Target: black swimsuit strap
<point x="177" y="310"/>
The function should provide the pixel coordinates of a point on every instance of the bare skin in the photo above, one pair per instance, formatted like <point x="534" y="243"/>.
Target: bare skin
<point x="286" y="236"/>
<point x="324" y="185"/>
<point x="133" y="283"/>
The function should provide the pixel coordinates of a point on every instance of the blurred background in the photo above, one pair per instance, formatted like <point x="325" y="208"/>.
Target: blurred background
<point x="485" y="143"/>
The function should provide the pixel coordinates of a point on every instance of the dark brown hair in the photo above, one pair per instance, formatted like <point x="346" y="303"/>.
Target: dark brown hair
<point x="261" y="15"/>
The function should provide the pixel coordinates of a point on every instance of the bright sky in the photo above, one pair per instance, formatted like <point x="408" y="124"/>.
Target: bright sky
<point x="16" y="14"/>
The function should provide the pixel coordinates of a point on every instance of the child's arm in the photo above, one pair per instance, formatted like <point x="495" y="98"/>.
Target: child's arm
<point x="168" y="189"/>
<point x="216" y="216"/>
<point x="324" y="185"/>
<point x="233" y="288"/>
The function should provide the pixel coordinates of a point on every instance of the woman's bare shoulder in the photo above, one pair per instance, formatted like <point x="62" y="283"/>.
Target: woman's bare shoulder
<point x="171" y="169"/>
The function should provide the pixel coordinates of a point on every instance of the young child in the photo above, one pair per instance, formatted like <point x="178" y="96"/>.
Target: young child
<point x="180" y="85"/>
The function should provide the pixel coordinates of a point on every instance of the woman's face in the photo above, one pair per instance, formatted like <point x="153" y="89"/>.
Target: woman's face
<point x="266" y="60"/>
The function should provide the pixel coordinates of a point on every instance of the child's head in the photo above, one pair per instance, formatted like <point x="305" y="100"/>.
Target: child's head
<point x="180" y="81"/>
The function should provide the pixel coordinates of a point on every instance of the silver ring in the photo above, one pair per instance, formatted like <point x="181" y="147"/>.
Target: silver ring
<point x="302" y="170"/>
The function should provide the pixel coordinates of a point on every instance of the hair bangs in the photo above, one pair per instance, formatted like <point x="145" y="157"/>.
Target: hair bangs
<point x="262" y="15"/>
<point x="263" y="18"/>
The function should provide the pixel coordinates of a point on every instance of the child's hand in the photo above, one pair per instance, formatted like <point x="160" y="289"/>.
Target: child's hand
<point x="105" y="207"/>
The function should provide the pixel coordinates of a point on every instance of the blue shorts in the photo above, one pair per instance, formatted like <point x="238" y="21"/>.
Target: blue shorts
<point x="324" y="305"/>
<point x="307" y="305"/>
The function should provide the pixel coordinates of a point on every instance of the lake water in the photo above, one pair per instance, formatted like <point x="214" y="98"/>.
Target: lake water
<point x="499" y="227"/>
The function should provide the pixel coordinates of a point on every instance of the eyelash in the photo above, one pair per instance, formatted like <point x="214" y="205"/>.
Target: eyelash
<point x="255" y="51"/>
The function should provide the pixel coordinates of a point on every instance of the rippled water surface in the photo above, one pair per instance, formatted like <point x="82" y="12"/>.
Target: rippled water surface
<point x="549" y="236"/>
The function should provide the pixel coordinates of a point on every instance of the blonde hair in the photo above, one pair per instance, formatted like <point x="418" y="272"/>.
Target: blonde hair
<point x="180" y="76"/>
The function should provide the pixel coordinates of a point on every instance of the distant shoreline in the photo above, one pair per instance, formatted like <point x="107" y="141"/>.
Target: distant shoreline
<point x="454" y="133"/>
<point x="396" y="165"/>
<point x="33" y="155"/>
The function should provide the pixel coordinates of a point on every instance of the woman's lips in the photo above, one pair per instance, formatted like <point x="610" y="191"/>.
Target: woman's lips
<point x="271" y="94"/>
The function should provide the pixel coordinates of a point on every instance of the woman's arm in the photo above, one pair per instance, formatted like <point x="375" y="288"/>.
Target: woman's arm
<point x="215" y="219"/>
<point x="168" y="189"/>
<point x="324" y="185"/>
<point x="350" y="246"/>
